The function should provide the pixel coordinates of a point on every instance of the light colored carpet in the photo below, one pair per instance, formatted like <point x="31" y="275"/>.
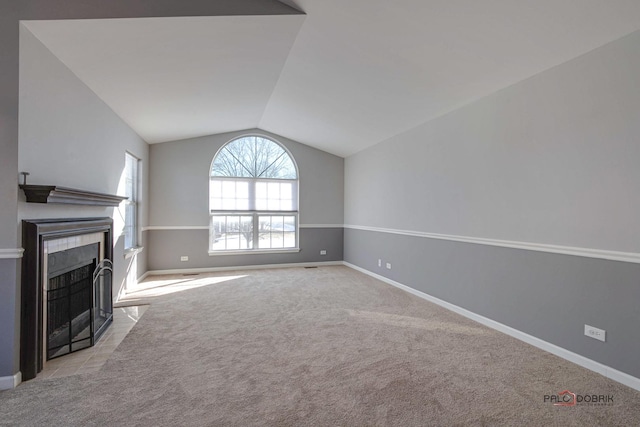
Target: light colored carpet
<point x="316" y="347"/>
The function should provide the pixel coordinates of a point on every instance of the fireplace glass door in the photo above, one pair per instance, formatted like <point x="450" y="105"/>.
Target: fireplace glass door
<point x="78" y="299"/>
<point x="69" y="297"/>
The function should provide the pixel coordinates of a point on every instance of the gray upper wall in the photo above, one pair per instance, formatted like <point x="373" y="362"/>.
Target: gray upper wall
<point x="552" y="159"/>
<point x="179" y="180"/>
<point x="69" y="137"/>
<point x="9" y="54"/>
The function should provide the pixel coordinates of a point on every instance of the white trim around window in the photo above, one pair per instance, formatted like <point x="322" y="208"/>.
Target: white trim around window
<point x="253" y="198"/>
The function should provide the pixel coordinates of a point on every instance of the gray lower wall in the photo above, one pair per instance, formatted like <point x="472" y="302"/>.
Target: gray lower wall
<point x="167" y="246"/>
<point x="9" y="317"/>
<point x="549" y="296"/>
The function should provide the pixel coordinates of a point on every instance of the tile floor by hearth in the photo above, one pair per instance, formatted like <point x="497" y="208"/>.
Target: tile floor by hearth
<point x="91" y="359"/>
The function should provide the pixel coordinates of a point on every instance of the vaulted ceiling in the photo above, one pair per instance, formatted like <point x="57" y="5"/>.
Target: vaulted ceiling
<point x="341" y="77"/>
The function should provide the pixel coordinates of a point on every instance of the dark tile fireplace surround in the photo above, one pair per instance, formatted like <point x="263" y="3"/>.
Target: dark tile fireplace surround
<point x="66" y="288"/>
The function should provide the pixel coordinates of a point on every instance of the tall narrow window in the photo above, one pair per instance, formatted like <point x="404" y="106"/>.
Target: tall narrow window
<point x="253" y="197"/>
<point x="131" y="204"/>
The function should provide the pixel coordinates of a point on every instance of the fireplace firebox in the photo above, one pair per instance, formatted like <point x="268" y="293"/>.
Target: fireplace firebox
<point x="66" y="288"/>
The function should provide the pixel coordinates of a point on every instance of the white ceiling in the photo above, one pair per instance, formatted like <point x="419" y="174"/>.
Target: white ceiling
<point x="344" y="77"/>
<point x="176" y="78"/>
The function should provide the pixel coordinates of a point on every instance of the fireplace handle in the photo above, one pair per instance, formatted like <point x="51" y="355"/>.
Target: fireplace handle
<point x="104" y="265"/>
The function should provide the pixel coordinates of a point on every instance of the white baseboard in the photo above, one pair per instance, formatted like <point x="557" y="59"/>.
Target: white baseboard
<point x="236" y="268"/>
<point x="13" y="381"/>
<point x="144" y="276"/>
<point x="592" y="365"/>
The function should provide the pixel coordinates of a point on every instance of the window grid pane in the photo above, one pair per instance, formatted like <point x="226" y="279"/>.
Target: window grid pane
<point x="254" y="157"/>
<point x="229" y="195"/>
<point x="129" y="225"/>
<point x="275" y="196"/>
<point x="236" y="232"/>
<point x="264" y="239"/>
<point x="277" y="231"/>
<point x="229" y="232"/>
<point x="289" y="231"/>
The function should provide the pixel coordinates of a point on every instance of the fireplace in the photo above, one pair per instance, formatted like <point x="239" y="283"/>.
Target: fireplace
<point x="66" y="288"/>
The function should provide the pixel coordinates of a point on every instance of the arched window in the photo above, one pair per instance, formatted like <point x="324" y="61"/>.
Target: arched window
<point x="253" y="197"/>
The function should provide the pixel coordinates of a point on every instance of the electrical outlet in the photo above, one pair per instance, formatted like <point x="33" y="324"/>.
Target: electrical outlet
<point x="379" y="263"/>
<point x="388" y="266"/>
<point x="184" y="258"/>
<point x="323" y="252"/>
<point x="599" y="334"/>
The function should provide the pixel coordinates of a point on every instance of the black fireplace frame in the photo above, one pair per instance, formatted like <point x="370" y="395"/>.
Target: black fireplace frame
<point x="34" y="235"/>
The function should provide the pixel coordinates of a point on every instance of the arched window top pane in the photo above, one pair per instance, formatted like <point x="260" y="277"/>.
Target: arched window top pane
<point x="254" y="157"/>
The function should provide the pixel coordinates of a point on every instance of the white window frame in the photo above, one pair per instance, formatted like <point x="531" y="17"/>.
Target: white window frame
<point x="252" y="207"/>
<point x="132" y="184"/>
<point x="256" y="232"/>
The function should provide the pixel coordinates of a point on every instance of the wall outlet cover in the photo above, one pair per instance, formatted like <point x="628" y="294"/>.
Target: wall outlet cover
<point x="595" y="333"/>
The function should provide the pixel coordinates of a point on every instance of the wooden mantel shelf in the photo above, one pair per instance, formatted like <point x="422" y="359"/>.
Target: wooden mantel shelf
<point x="55" y="194"/>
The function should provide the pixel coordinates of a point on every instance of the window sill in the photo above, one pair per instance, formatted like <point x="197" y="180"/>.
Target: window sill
<point x="131" y="252"/>
<point x="255" y="251"/>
